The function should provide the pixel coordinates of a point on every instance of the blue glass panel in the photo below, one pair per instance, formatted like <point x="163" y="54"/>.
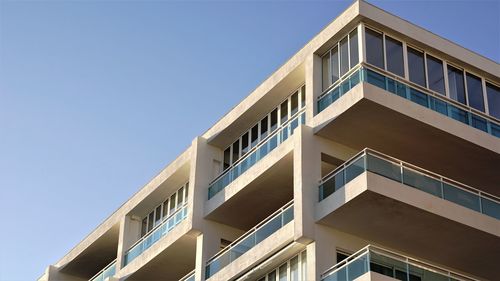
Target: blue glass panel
<point x="331" y="185"/>
<point x="439" y="105"/>
<point x="267" y="229"/>
<point x="418" y="97"/>
<point x="375" y="79"/>
<point x="354" y="169"/>
<point x="357" y="267"/>
<point x="495" y="130"/>
<point x="458" y="114"/>
<point x="479" y="123"/>
<point x="383" y="168"/>
<point x="422" y="182"/>
<point x="490" y="208"/>
<point x="461" y="197"/>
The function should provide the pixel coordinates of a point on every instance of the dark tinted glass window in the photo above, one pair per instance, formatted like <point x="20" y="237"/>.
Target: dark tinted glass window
<point x="255" y="135"/>
<point x="335" y="64"/>
<point x="341" y="256"/>
<point x="326" y="71"/>
<point x="144" y="227"/>
<point x="165" y="208"/>
<point x="416" y="66"/>
<point x="435" y="74"/>
<point x="244" y="143"/>
<point x="374" y="48"/>
<point x="158" y="215"/>
<point x="227" y="158"/>
<point x="475" y="92"/>
<point x="493" y="93"/>
<point x="344" y="56"/>
<point x="456" y="84"/>
<point x="303" y="96"/>
<point x="274" y="119"/>
<point x="236" y="150"/>
<point x="394" y="56"/>
<point x="284" y="112"/>
<point x="263" y="127"/>
<point x="172" y="202"/>
<point x="294" y="103"/>
<point x="353" y="47"/>
<point x="150" y="221"/>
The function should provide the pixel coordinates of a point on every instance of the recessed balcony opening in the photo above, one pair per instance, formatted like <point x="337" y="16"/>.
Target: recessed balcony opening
<point x="173" y="263"/>
<point x="261" y="197"/>
<point x="394" y="203"/>
<point x="404" y="129"/>
<point x="94" y="260"/>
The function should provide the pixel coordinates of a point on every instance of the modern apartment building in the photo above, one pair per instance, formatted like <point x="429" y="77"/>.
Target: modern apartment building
<point x="372" y="154"/>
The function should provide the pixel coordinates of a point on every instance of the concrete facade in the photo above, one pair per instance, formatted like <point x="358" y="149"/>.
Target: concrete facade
<point x="372" y="167"/>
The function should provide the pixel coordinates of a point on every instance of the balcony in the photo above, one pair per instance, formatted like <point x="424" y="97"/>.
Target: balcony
<point x="390" y="264"/>
<point x="413" y="93"/>
<point x="261" y="150"/>
<point x="155" y="234"/>
<point x="411" y="176"/>
<point x="394" y="203"/>
<point x="105" y="273"/>
<point x="250" y="239"/>
<point x="371" y="108"/>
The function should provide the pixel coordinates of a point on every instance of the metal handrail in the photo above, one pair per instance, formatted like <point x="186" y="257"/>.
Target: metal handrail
<point x="102" y="270"/>
<point x="164" y="220"/>
<point x="412" y="85"/>
<point x="432" y="93"/>
<point x="249" y="232"/>
<point x="397" y="256"/>
<point x="187" y="276"/>
<point x="261" y="142"/>
<point x="412" y="167"/>
<point x="344" y="77"/>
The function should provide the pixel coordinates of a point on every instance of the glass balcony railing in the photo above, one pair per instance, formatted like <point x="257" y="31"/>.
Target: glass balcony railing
<point x="390" y="264"/>
<point x="256" y="154"/>
<point x="105" y="273"/>
<point x="188" y="277"/>
<point x="414" y="93"/>
<point x="412" y="176"/>
<point x="155" y="234"/>
<point x="248" y="240"/>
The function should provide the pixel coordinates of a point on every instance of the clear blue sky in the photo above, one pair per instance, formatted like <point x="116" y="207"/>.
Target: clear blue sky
<point x="97" y="97"/>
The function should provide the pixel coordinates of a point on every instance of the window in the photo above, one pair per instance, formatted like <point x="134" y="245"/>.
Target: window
<point x="326" y="71"/>
<point x="255" y="135"/>
<point x="263" y="128"/>
<point x="282" y="273"/>
<point x="435" y="74"/>
<point x="374" y="48"/>
<point x="303" y="96"/>
<point x="344" y="56"/>
<point x="180" y="197"/>
<point x="353" y="47"/>
<point x="236" y="151"/>
<point x="335" y="64"/>
<point x="394" y="56"/>
<point x="172" y="203"/>
<point x="456" y="84"/>
<point x="144" y="226"/>
<point x="227" y="158"/>
<point x="186" y="192"/>
<point x="158" y="215"/>
<point x="294" y="269"/>
<point x="150" y="221"/>
<point x="165" y="208"/>
<point x="284" y="112"/>
<point x="475" y="92"/>
<point x="493" y="93"/>
<point x="416" y="66"/>
<point x="274" y="119"/>
<point x="294" y="103"/>
<point x="244" y="143"/>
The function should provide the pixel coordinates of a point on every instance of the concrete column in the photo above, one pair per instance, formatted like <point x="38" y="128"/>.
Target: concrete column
<point x="306" y="174"/>
<point x="202" y="161"/>
<point x="130" y="232"/>
<point x="313" y="85"/>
